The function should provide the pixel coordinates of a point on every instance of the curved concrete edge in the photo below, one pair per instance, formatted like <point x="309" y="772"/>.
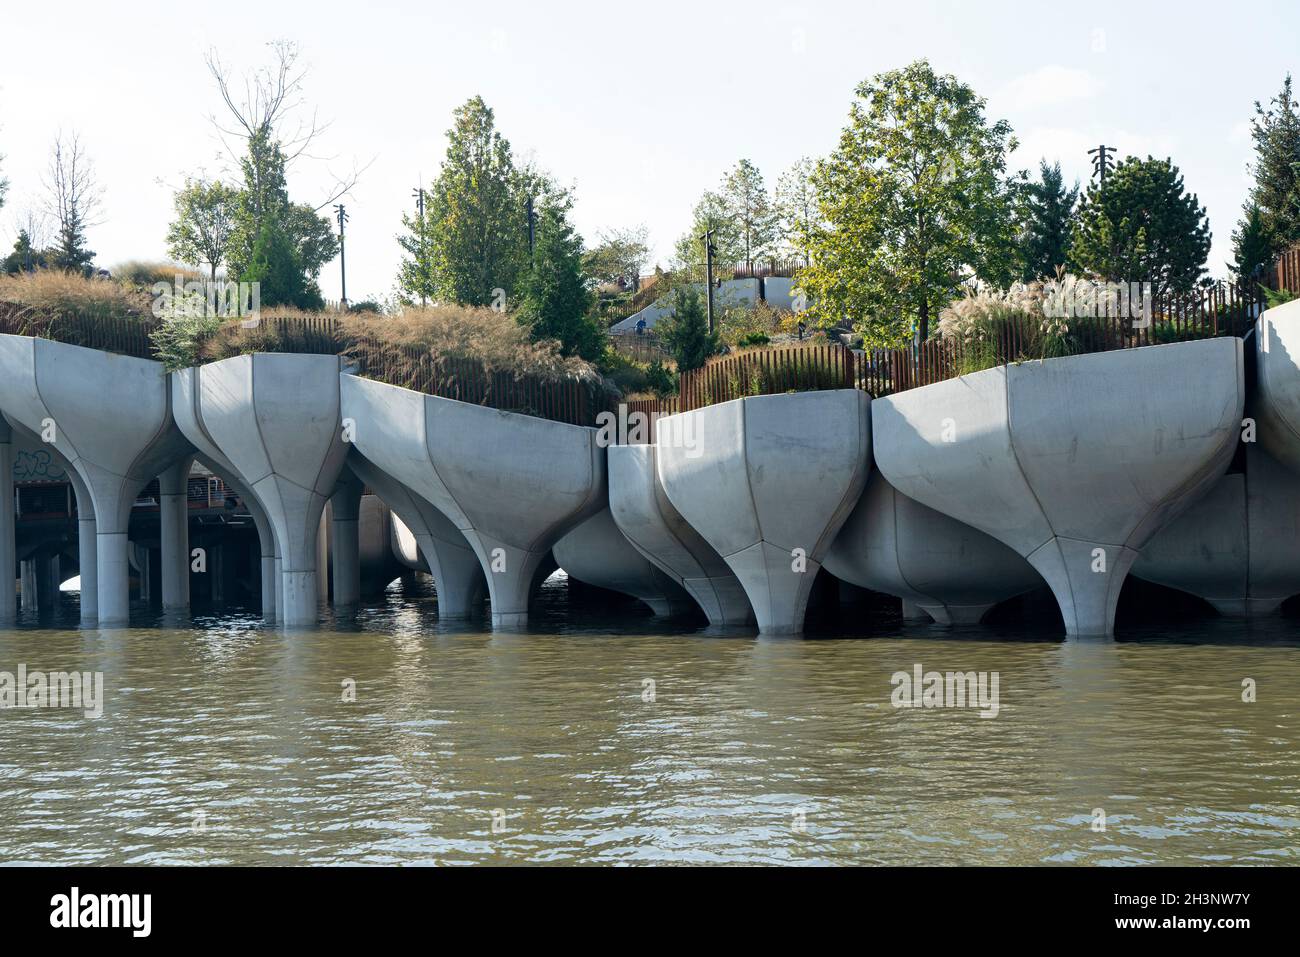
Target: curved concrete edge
<point x="455" y="568"/>
<point x="596" y="552"/>
<point x="1074" y="462"/>
<point x="767" y="481"/>
<point x="8" y="528"/>
<point x="1275" y="404"/>
<point x="648" y="520"/>
<point x="512" y="484"/>
<point x="74" y="399"/>
<point x="1238" y="547"/>
<point x="275" y="419"/>
<point x="951" y="571"/>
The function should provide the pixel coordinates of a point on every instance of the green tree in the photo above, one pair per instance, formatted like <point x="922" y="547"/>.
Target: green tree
<point x="552" y="295"/>
<point x="1276" y="132"/>
<point x="474" y="238"/>
<point x="1142" y="227"/>
<point x="620" y="255"/>
<point x="686" y="335"/>
<point x="1251" y="248"/>
<point x="711" y="212"/>
<point x="796" y="208"/>
<point x="748" y="205"/>
<point x="915" y="197"/>
<point x="24" y="257"/>
<point x="1046" y="222"/>
<point x="274" y="264"/>
<point x="205" y="219"/>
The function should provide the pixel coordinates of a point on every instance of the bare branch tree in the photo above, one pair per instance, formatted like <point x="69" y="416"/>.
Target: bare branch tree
<point x="73" y="200"/>
<point x="272" y="104"/>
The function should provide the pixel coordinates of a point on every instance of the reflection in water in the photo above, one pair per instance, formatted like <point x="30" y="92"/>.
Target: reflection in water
<point x="224" y="743"/>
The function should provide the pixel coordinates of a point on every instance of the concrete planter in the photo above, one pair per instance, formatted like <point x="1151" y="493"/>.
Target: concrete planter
<point x="1074" y="463"/>
<point x="648" y="520"/>
<point x="597" y="553"/>
<point x="767" y="482"/>
<point x="513" y="485"/>
<point x="952" y="572"/>
<point x="109" y="416"/>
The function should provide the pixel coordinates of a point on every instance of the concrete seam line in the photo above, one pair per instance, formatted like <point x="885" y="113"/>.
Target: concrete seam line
<point x="257" y="425"/>
<point x="1015" y="455"/>
<point x="898" y="563"/>
<point x="744" y="458"/>
<point x="334" y="437"/>
<point x="845" y="506"/>
<point x="433" y="466"/>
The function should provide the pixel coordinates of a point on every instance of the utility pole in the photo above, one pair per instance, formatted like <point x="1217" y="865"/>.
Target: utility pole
<point x="1101" y="161"/>
<point x="418" y="193"/>
<point x="343" y="263"/>
<point x="709" y="251"/>
<point x="532" y="231"/>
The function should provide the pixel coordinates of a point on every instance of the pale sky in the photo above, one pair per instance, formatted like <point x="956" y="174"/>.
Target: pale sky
<point x="638" y="107"/>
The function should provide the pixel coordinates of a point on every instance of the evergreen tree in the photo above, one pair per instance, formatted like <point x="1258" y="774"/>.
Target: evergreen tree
<point x="552" y="293"/>
<point x="24" y="258"/>
<point x="1251" y="248"/>
<point x="474" y="238"/>
<point x="687" y="335"/>
<point x="274" y="264"/>
<point x="1142" y="227"/>
<point x="749" y="206"/>
<point x="1045" y="227"/>
<point x="1276" y="132"/>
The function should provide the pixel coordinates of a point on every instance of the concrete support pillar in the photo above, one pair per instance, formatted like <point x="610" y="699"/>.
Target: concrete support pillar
<point x="345" y="538"/>
<point x="27" y="584"/>
<point x="913" y="612"/>
<point x="217" y="574"/>
<point x="114" y="584"/>
<point x="278" y="564"/>
<point x="87" y="551"/>
<point x="174" y="515"/>
<point x="8" y="528"/>
<point x="48" y="581"/>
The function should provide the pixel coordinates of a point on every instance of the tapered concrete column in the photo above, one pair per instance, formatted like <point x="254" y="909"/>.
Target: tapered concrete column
<point x="446" y="554"/>
<point x="512" y="484"/>
<point x="8" y="528"/>
<point x="27" y="585"/>
<point x="938" y="566"/>
<point x="88" y="560"/>
<point x="345" y="540"/>
<point x="48" y="572"/>
<point x="214" y="462"/>
<point x="767" y="482"/>
<point x="109" y="416"/>
<point x="657" y="530"/>
<point x="1075" y="462"/>
<point x="175" y="533"/>
<point x="275" y="419"/>
<point x="597" y="553"/>
<point x="913" y="612"/>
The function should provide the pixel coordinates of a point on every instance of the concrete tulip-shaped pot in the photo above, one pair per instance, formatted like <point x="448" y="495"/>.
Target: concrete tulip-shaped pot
<point x="597" y="553"/>
<point x="512" y="484"/>
<point x="274" y="421"/>
<point x="110" y="417"/>
<point x="648" y="520"/>
<point x="1074" y="462"/>
<point x="767" y="482"/>
<point x="953" y="572"/>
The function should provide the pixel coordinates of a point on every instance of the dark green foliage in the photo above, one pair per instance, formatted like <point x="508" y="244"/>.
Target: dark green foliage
<point x="1046" y="222"/>
<point x="687" y="335"/>
<point x="1142" y="227"/>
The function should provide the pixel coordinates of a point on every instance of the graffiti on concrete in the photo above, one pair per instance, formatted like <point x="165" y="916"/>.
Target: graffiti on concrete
<point x="37" y="466"/>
